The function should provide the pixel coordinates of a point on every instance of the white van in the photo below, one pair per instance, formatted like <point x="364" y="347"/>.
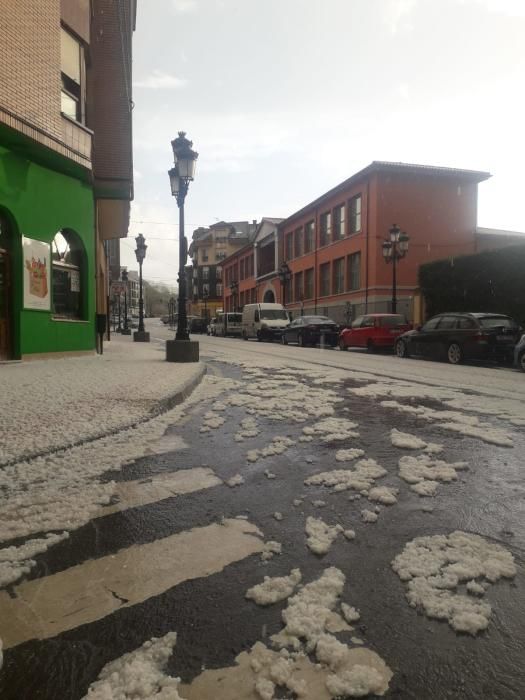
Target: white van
<point x="263" y="321"/>
<point x="228" y="323"/>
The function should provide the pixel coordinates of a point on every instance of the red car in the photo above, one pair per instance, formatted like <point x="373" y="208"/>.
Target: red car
<point x="374" y="331"/>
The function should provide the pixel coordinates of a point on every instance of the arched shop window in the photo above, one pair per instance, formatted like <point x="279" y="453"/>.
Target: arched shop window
<point x="69" y="275"/>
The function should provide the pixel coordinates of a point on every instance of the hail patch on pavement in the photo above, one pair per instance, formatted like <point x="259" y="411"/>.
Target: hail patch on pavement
<point x="139" y="675"/>
<point x="320" y="535"/>
<point x="274" y="589"/>
<point x="361" y="478"/>
<point x="425" y="473"/>
<point x="436" y="568"/>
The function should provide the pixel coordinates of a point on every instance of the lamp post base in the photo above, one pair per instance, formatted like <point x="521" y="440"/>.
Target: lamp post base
<point x="126" y="331"/>
<point x="182" y="351"/>
<point x="141" y="337"/>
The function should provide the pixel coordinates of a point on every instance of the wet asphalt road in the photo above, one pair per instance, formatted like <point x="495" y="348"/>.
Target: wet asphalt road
<point x="214" y="621"/>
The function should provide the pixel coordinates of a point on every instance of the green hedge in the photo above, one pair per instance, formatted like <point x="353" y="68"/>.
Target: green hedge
<point x="490" y="281"/>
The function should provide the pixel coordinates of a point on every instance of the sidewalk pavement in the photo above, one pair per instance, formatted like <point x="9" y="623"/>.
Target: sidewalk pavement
<point x="46" y="405"/>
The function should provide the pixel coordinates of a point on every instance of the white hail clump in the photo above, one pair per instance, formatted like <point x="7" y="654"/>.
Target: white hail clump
<point x="348" y="455"/>
<point x="361" y="478"/>
<point x="211" y="421"/>
<point x="383" y="494"/>
<point x="277" y="515"/>
<point x="434" y="567"/>
<point x="368" y="516"/>
<point x="270" y="548"/>
<point x="249" y="429"/>
<point x="349" y="534"/>
<point x="274" y="589"/>
<point x="236" y="480"/>
<point x="17" y="561"/>
<point x="269" y="474"/>
<point x="277" y="446"/>
<point x="406" y="441"/>
<point x="349" y="613"/>
<point x="457" y="422"/>
<point x="333" y="429"/>
<point x="424" y="473"/>
<point x="139" y="674"/>
<point x="320" y="535"/>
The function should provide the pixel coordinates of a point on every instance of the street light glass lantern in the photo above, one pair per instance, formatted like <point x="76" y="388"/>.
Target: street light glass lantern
<point x="394" y="233"/>
<point x="387" y="249"/>
<point x="174" y="181"/>
<point x="403" y="243"/>
<point x="184" y="156"/>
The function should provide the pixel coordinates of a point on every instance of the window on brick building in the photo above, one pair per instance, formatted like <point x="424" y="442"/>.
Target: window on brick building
<point x="218" y="289"/>
<point x="298" y="286"/>
<point x="338" y="276"/>
<point x="354" y="214"/>
<point x="72" y="96"/>
<point x="309" y="237"/>
<point x="326" y="228"/>
<point x="241" y="269"/>
<point x="298" y="242"/>
<point x="205" y="273"/>
<point x="324" y="280"/>
<point x="354" y="271"/>
<point x="339" y="222"/>
<point x="309" y="284"/>
<point x="288" y="253"/>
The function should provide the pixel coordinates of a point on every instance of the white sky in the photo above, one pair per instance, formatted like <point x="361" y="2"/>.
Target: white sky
<point x="284" y="99"/>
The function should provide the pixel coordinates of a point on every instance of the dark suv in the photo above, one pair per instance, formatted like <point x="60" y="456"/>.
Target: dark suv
<point x="459" y="336"/>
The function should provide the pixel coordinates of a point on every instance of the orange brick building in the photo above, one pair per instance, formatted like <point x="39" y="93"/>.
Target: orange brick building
<point x="333" y="246"/>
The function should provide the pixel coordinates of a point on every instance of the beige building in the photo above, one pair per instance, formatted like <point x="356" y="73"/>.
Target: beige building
<point x="209" y="247"/>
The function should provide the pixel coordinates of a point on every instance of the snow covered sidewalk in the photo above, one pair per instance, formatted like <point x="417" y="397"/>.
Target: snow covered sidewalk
<point x="50" y="404"/>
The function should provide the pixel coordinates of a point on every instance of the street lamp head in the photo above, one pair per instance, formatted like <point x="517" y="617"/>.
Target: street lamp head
<point x="140" y="251"/>
<point x="403" y="243"/>
<point x="184" y="156"/>
<point x="124" y="275"/>
<point x="394" y="233"/>
<point x="285" y="274"/>
<point x="234" y="286"/>
<point x="387" y="250"/>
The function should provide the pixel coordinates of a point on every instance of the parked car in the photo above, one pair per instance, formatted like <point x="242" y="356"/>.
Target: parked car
<point x="197" y="324"/>
<point x="264" y="321"/>
<point x="519" y="354"/>
<point x="459" y="336"/>
<point x="211" y="330"/>
<point x="229" y="323"/>
<point x="311" y="330"/>
<point x="373" y="331"/>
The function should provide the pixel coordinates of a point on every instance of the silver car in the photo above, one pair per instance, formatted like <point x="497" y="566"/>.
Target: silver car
<point x="519" y="354"/>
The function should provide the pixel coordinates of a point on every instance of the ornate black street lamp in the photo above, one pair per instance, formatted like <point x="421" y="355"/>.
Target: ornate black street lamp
<point x="205" y="296"/>
<point x="234" y="288"/>
<point x="182" y="349"/>
<point x="126" y="330"/>
<point x="285" y="275"/>
<point x="394" y="249"/>
<point x="140" y="253"/>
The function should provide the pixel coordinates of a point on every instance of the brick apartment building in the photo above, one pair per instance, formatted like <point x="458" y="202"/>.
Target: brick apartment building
<point x="65" y="167"/>
<point x="208" y="249"/>
<point x="333" y="245"/>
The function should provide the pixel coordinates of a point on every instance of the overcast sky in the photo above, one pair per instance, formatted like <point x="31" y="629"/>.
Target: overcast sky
<point x="284" y="99"/>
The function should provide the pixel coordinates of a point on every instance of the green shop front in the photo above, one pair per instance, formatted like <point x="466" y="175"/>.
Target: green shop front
<point x="47" y="249"/>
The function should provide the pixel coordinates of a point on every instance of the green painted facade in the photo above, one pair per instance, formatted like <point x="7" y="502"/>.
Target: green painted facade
<point x="41" y="194"/>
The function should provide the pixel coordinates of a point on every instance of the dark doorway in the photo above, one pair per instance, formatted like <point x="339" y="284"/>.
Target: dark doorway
<point x="269" y="297"/>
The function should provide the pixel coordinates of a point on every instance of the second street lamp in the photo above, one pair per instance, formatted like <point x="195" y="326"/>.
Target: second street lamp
<point x="182" y="349"/>
<point x="234" y="287"/>
<point x="394" y="249"/>
<point x="140" y="253"/>
<point x="126" y="330"/>
<point x="285" y="275"/>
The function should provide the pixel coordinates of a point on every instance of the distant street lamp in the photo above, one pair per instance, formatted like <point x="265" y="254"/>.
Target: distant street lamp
<point x="171" y="311"/>
<point x="126" y="330"/>
<point x="394" y="249"/>
<point x="205" y="296"/>
<point x="141" y="335"/>
<point x="285" y="275"/>
<point x="182" y="349"/>
<point x="234" y="288"/>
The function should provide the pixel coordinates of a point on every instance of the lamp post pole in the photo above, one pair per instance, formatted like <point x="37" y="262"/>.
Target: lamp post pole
<point x="182" y="349"/>
<point x="234" y="287"/>
<point x="126" y="330"/>
<point x="141" y="335"/>
<point x="395" y="249"/>
<point x="205" y="298"/>
<point x="119" y="329"/>
<point x="285" y="275"/>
